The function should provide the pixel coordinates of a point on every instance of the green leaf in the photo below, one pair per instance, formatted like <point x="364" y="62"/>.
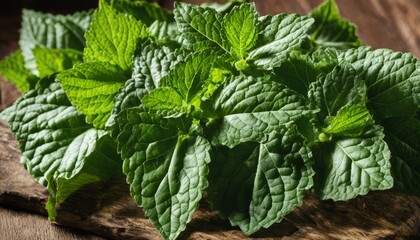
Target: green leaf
<point x="51" y="31"/>
<point x="352" y="166"/>
<point x="403" y="138"/>
<point x="351" y="121"/>
<point x="223" y="7"/>
<point x="247" y="109"/>
<point x="165" y="99"/>
<point x="241" y="29"/>
<point x="189" y="77"/>
<point x="112" y="37"/>
<point x="281" y="34"/>
<point x="166" y="170"/>
<point x="50" y="60"/>
<point x="143" y="11"/>
<point x="330" y="30"/>
<point x="256" y="184"/>
<point x="13" y="69"/>
<point x="58" y="148"/>
<point x="201" y="28"/>
<point x="297" y="73"/>
<point x="392" y="80"/>
<point x="152" y="62"/>
<point x="92" y="88"/>
<point x="337" y="89"/>
<point x="165" y="31"/>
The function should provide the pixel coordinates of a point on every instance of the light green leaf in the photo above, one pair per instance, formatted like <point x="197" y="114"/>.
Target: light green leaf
<point x="201" y="28"/>
<point x="247" y="109"/>
<point x="152" y="62"/>
<point x="241" y="29"/>
<point x="13" y="69"/>
<point x="330" y="30"/>
<point x="392" y="80"/>
<point x="166" y="170"/>
<point x="51" y="31"/>
<point x="143" y="11"/>
<point x="165" y="99"/>
<point x="50" y="60"/>
<point x="351" y="121"/>
<point x="58" y="148"/>
<point x="189" y="77"/>
<point x="256" y="185"/>
<point x="112" y="37"/>
<point x="223" y="7"/>
<point x="280" y="35"/>
<point x="165" y="32"/>
<point x="92" y="88"/>
<point x="403" y="138"/>
<point x="337" y="89"/>
<point x="348" y="167"/>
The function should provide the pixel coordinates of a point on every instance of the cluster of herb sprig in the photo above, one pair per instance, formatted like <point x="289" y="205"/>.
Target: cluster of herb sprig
<point x="254" y="111"/>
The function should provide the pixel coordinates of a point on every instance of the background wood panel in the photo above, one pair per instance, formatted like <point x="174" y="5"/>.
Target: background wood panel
<point x="393" y="24"/>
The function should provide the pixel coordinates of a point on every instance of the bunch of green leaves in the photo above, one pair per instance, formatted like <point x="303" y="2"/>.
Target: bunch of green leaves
<point x="249" y="112"/>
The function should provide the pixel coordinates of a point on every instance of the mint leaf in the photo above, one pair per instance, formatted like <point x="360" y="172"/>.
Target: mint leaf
<point x="92" y="87"/>
<point x="403" y="138"/>
<point x="241" y="29"/>
<point x="51" y="31"/>
<point x="256" y="185"/>
<point x="247" y="109"/>
<point x="392" y="80"/>
<point x="351" y="121"/>
<point x="13" y="69"/>
<point x="152" y="62"/>
<point x="298" y="72"/>
<point x="165" y="99"/>
<point x="112" y="37"/>
<point x="58" y="148"/>
<point x="143" y="11"/>
<point x="201" y="28"/>
<point x="330" y="30"/>
<point x="189" y="77"/>
<point x="281" y="34"/>
<point x="165" y="32"/>
<point x="337" y="89"/>
<point x="166" y="169"/>
<point x="348" y="167"/>
<point x="50" y="60"/>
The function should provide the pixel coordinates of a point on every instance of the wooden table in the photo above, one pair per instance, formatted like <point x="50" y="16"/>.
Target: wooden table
<point x="391" y="24"/>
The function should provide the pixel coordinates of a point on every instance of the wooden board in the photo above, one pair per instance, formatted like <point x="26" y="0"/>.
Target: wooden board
<point x="108" y="210"/>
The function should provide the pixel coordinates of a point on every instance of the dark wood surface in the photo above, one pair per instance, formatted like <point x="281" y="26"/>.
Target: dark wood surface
<point x="382" y="23"/>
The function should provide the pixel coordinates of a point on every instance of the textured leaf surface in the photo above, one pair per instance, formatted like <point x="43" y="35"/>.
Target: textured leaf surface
<point x="92" y="88"/>
<point x="351" y="121"/>
<point x="241" y="29"/>
<point x="403" y="138"/>
<point x="337" y="89"/>
<point x="58" y="148"/>
<point x="51" y="31"/>
<point x="166" y="170"/>
<point x="200" y="27"/>
<point x="165" y="99"/>
<point x="143" y="11"/>
<point x="346" y="168"/>
<point x="112" y="37"/>
<point x="330" y="30"/>
<point x="246" y="109"/>
<point x="280" y="34"/>
<point x="392" y="80"/>
<point x="152" y="62"/>
<point x="189" y="77"/>
<point x="13" y="69"/>
<point x="256" y="185"/>
<point x="50" y="60"/>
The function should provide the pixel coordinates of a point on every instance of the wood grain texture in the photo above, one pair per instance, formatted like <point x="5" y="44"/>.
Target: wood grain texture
<point x="108" y="210"/>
